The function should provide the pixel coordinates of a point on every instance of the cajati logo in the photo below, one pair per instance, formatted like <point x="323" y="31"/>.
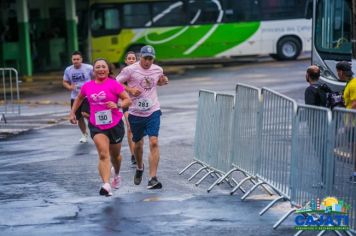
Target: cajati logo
<point x="328" y="214"/>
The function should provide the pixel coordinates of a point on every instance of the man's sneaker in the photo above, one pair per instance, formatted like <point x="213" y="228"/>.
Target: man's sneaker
<point x="133" y="161"/>
<point x="84" y="138"/>
<point x="154" y="183"/>
<point x="138" y="176"/>
<point x="105" y="190"/>
<point x="116" y="182"/>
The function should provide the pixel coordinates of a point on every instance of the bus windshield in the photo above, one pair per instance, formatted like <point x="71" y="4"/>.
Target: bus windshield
<point x="333" y="29"/>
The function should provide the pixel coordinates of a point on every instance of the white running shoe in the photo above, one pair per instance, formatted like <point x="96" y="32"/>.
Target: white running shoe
<point x="84" y="138"/>
<point x="116" y="181"/>
<point x="105" y="190"/>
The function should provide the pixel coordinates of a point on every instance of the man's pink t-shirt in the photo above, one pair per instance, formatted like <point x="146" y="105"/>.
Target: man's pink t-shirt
<point x="146" y="81"/>
<point x="98" y="95"/>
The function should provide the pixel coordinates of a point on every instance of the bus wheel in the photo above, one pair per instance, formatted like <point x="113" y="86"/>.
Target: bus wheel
<point x="288" y="48"/>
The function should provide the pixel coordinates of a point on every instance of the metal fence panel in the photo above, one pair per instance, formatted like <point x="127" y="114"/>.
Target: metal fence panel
<point x="246" y="136"/>
<point x="10" y="99"/>
<point x="343" y="162"/>
<point x="222" y="130"/>
<point x="309" y="154"/>
<point x="278" y="113"/>
<point x="203" y="133"/>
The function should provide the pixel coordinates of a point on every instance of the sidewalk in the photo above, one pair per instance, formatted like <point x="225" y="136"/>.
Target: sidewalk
<point x="36" y="112"/>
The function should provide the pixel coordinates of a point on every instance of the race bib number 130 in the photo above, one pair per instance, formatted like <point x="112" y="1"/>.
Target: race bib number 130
<point x="103" y="117"/>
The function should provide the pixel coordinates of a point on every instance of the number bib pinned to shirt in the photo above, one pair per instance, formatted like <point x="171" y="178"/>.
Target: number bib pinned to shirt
<point x="144" y="104"/>
<point x="103" y="117"/>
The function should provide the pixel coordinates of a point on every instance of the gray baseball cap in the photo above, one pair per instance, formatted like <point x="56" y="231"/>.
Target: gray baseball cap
<point x="148" y="51"/>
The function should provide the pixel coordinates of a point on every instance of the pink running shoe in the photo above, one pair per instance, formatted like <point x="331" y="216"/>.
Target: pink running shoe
<point x="116" y="182"/>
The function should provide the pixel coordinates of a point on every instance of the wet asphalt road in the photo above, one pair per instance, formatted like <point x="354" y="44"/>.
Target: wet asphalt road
<point x="49" y="182"/>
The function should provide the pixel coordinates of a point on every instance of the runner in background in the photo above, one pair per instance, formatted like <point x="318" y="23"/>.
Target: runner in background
<point x="130" y="59"/>
<point x="75" y="76"/>
<point x="105" y="122"/>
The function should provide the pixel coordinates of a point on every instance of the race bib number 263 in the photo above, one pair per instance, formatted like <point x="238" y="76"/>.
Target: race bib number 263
<point x="144" y="104"/>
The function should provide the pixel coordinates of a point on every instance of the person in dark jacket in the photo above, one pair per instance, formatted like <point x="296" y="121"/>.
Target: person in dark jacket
<point x="313" y="94"/>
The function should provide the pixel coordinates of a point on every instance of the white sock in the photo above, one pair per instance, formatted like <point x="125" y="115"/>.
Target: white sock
<point x="107" y="186"/>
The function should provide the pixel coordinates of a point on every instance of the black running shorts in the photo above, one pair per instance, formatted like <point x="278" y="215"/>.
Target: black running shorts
<point x="115" y="134"/>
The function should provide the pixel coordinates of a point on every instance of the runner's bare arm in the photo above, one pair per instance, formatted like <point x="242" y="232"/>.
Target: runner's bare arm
<point x="125" y="100"/>
<point x="75" y="107"/>
<point x="133" y="91"/>
<point x="68" y="86"/>
<point x="163" y="80"/>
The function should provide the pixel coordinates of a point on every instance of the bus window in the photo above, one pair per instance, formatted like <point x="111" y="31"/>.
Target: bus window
<point x="240" y="11"/>
<point x="282" y="9"/>
<point x="204" y="12"/>
<point x="136" y="15"/>
<point x="168" y="14"/>
<point x="333" y="22"/>
<point x="105" y="21"/>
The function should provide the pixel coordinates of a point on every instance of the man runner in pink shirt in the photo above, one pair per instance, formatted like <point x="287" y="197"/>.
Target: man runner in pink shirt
<point x="142" y="79"/>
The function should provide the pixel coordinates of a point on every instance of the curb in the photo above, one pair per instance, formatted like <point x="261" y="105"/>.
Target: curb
<point x="38" y="102"/>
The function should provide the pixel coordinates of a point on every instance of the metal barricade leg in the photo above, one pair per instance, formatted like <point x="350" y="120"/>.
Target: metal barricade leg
<point x="264" y="187"/>
<point x="206" y="175"/>
<point x="271" y="204"/>
<point x="197" y="172"/>
<point x="227" y="175"/>
<point x="349" y="233"/>
<point x="251" y="190"/>
<point x="279" y="222"/>
<point x="221" y="179"/>
<point x="299" y="233"/>
<point x="239" y="184"/>
<point x="188" y="166"/>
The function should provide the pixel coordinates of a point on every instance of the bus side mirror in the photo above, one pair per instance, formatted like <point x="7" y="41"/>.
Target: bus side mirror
<point x="308" y="12"/>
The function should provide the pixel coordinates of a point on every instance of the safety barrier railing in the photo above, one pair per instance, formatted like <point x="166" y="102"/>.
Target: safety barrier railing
<point x="203" y="137"/>
<point x="342" y="165"/>
<point x="301" y="152"/>
<point x="219" y="161"/>
<point x="273" y="169"/>
<point x="10" y="99"/>
<point x="245" y="135"/>
<point x="213" y="136"/>
<point x="309" y="156"/>
<point x="309" y="153"/>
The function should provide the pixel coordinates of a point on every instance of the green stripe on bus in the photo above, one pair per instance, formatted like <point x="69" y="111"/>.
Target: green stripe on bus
<point x="225" y="37"/>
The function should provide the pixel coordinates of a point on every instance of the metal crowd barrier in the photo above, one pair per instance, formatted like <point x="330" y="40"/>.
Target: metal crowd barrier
<point x="278" y="113"/>
<point x="301" y="152"/>
<point x="309" y="156"/>
<point x="245" y="135"/>
<point x="343" y="160"/>
<point x="219" y="161"/>
<point x="203" y="137"/>
<point x="213" y="136"/>
<point x="10" y="100"/>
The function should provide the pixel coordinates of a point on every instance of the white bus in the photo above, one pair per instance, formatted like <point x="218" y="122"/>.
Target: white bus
<point x="199" y="29"/>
